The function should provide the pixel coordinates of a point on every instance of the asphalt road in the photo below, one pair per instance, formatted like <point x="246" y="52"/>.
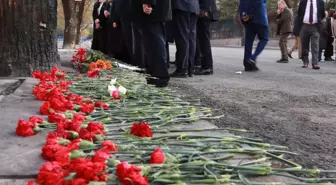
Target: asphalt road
<point x="282" y="103"/>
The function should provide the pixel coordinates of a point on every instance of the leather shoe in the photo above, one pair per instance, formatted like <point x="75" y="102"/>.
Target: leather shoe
<point x="282" y="61"/>
<point x="316" y="67"/>
<point x="178" y="74"/>
<point x="204" y="72"/>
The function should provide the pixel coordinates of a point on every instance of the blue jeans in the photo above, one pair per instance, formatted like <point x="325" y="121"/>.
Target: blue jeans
<point x="251" y="31"/>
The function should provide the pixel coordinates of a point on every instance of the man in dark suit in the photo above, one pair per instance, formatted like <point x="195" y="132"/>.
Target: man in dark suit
<point x="253" y="14"/>
<point x="208" y="14"/>
<point x="152" y="15"/>
<point x="185" y="14"/>
<point x="123" y="11"/>
<point x="310" y="15"/>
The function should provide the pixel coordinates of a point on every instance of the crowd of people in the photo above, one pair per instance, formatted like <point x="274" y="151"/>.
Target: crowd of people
<point x="312" y="27"/>
<point x="139" y="32"/>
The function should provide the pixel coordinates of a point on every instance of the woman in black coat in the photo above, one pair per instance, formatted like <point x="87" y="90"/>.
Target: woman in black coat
<point x="297" y="44"/>
<point x="115" y="41"/>
<point x="100" y="16"/>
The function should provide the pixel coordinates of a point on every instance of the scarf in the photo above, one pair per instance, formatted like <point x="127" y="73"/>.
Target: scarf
<point x="101" y="5"/>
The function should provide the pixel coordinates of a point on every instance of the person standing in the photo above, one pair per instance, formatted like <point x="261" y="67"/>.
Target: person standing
<point x="253" y="14"/>
<point x="115" y="46"/>
<point x="208" y="14"/>
<point x="329" y="51"/>
<point x="323" y="38"/>
<point x="310" y="13"/>
<point x="285" y="24"/>
<point x="100" y="16"/>
<point x="185" y="14"/>
<point x="152" y="15"/>
<point x="297" y="44"/>
<point x="123" y="11"/>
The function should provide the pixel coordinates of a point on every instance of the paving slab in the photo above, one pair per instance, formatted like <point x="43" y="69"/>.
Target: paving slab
<point x="14" y="181"/>
<point x="19" y="156"/>
<point x="5" y="83"/>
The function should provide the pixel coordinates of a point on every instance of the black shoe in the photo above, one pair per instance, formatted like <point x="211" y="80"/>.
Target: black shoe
<point x="204" y="72"/>
<point x="158" y="82"/>
<point x="178" y="74"/>
<point x="282" y="61"/>
<point x="253" y="65"/>
<point x="328" y="59"/>
<point x="316" y="67"/>
<point x="289" y="55"/>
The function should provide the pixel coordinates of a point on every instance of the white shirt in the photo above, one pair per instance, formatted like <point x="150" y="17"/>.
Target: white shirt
<point x="307" y="12"/>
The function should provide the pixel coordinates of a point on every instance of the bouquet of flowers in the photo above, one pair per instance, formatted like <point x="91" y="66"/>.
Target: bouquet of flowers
<point x="83" y="58"/>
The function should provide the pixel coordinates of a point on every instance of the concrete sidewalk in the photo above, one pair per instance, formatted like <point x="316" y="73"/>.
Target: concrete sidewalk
<point x="20" y="157"/>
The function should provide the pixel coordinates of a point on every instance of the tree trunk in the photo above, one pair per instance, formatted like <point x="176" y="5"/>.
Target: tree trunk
<point x="27" y="36"/>
<point x="80" y="16"/>
<point x="71" y="10"/>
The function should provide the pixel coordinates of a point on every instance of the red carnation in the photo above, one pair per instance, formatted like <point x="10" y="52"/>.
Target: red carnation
<point x="74" y="125"/>
<point x="94" y="73"/>
<point x="130" y="174"/>
<point x="85" y="134"/>
<point x="86" y="108"/>
<point x="96" y="128"/>
<point x="30" y="183"/>
<point x="51" y="173"/>
<point x="101" y="105"/>
<point x="100" y="156"/>
<point x="36" y="119"/>
<point x="62" y="156"/>
<point x="109" y="146"/>
<point x="86" y="169"/>
<point x="141" y="129"/>
<point x="78" y="117"/>
<point x="157" y="157"/>
<point x="45" y="108"/>
<point x="75" y="144"/>
<point x="55" y="118"/>
<point x="103" y="177"/>
<point x="49" y="151"/>
<point x="25" y="128"/>
<point x="37" y="74"/>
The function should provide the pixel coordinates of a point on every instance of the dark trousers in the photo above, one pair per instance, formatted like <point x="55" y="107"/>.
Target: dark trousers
<point x="204" y="36"/>
<point x="127" y="29"/>
<point x="198" y="55"/>
<point x="283" y="45"/>
<point x="320" y="54"/>
<point x="329" y="51"/>
<point x="154" y="37"/>
<point x="310" y="36"/>
<point x="168" y="55"/>
<point x="138" y="55"/>
<point x="251" y="31"/>
<point x="185" y="39"/>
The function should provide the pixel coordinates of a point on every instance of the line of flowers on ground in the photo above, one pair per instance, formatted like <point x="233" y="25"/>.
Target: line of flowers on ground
<point x="73" y="131"/>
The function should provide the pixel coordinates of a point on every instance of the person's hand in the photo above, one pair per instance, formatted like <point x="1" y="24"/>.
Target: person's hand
<point x="106" y="13"/>
<point x="97" y="26"/>
<point x="97" y="21"/>
<point x="203" y="13"/>
<point x="246" y="18"/>
<point x="115" y="25"/>
<point x="147" y="9"/>
<point x="279" y="11"/>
